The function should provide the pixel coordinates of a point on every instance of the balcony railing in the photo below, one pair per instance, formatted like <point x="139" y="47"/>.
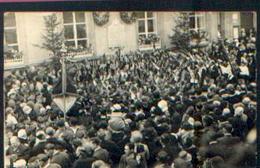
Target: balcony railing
<point x="144" y="47"/>
<point x="79" y="54"/>
<point x="152" y="41"/>
<point x="12" y="60"/>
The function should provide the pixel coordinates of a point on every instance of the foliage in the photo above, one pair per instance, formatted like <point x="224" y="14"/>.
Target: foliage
<point x="185" y="39"/>
<point x="181" y="32"/>
<point x="53" y="38"/>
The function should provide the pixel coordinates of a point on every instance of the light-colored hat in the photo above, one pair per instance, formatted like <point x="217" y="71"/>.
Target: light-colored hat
<point x="246" y="100"/>
<point x="243" y="60"/>
<point x="253" y="84"/>
<point x="238" y="105"/>
<point x="9" y="110"/>
<point x="163" y="105"/>
<point x="22" y="134"/>
<point x="22" y="105"/>
<point x="136" y="136"/>
<point x="11" y="92"/>
<point x="11" y="120"/>
<point x="27" y="109"/>
<point x="14" y="140"/>
<point x="17" y="82"/>
<point x="225" y="111"/>
<point x="186" y="156"/>
<point x="116" y="124"/>
<point x="11" y="103"/>
<point x="42" y="110"/>
<point x="116" y="107"/>
<point x="40" y="133"/>
<point x="21" y="163"/>
<point x="24" y="84"/>
<point x="216" y="103"/>
<point x="191" y="121"/>
<point x="239" y="111"/>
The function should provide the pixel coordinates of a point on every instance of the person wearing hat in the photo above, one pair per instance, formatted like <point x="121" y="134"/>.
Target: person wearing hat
<point x="11" y="120"/>
<point x="228" y="140"/>
<point x="163" y="160"/>
<point x="128" y="156"/>
<point x="54" y="165"/>
<point x="239" y="122"/>
<point x="61" y="157"/>
<point x="99" y="152"/>
<point x="21" y="163"/>
<point x="249" y="111"/>
<point x="106" y="143"/>
<point x="85" y="158"/>
<point x="182" y="161"/>
<point x="100" y="164"/>
<point x="16" y="147"/>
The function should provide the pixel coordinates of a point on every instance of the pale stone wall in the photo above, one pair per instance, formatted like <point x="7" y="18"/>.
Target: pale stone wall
<point x="30" y="27"/>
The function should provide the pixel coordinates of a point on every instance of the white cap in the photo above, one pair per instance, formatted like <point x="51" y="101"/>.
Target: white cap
<point x="225" y="111"/>
<point x="216" y="103"/>
<point x="41" y="132"/>
<point x="27" y="109"/>
<point x="11" y="92"/>
<point x="42" y="110"/>
<point x="239" y="111"/>
<point x="20" y="163"/>
<point x="246" y="100"/>
<point x="22" y="134"/>
<point x="11" y="120"/>
<point x="163" y="105"/>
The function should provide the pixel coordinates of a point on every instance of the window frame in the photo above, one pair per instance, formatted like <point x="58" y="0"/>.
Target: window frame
<point x="197" y="16"/>
<point x="146" y="19"/>
<point x="16" y="34"/>
<point x="74" y="24"/>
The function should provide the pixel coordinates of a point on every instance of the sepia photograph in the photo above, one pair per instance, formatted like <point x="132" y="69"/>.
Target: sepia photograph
<point x="130" y="89"/>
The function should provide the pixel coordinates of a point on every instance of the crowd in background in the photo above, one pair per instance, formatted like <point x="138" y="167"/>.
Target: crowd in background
<point x="177" y="110"/>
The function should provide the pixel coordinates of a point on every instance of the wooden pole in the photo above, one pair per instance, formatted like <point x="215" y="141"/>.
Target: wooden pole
<point x="64" y="83"/>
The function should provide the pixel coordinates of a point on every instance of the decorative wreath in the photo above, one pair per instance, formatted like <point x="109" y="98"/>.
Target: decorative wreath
<point x="128" y="17"/>
<point x="101" y="18"/>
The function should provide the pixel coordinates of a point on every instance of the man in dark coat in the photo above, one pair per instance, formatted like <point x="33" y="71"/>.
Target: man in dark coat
<point x="228" y="140"/>
<point x="61" y="158"/>
<point x="99" y="152"/>
<point x="86" y="158"/>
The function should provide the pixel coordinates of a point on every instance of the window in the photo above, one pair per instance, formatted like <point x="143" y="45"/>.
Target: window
<point x="197" y="21"/>
<point x="10" y="34"/>
<point x="146" y="25"/>
<point x="75" y="30"/>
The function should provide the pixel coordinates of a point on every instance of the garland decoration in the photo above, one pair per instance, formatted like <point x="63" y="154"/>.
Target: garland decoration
<point x="101" y="18"/>
<point x="128" y="17"/>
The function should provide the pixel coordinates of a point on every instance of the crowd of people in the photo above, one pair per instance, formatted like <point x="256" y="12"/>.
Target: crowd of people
<point x="160" y="109"/>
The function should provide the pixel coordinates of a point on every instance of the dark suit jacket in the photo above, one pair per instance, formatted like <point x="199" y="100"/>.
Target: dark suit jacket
<point x="228" y="140"/>
<point x="113" y="150"/>
<point x="62" y="159"/>
<point x="83" y="163"/>
<point x="101" y="154"/>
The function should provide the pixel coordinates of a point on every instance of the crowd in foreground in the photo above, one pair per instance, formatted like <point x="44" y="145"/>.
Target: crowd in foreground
<point x="173" y="111"/>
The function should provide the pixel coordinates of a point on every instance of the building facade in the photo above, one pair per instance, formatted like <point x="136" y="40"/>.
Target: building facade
<point x="100" y="32"/>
